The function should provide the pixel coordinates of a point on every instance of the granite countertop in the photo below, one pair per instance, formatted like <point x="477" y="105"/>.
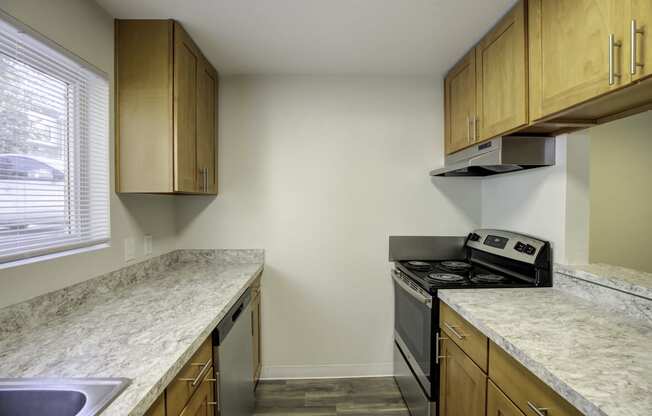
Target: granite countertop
<point x="145" y="331"/>
<point x="616" y="277"/>
<point x="599" y="361"/>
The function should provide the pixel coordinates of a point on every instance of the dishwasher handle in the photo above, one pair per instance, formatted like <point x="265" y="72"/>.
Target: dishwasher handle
<point x="225" y="325"/>
<point x="237" y="313"/>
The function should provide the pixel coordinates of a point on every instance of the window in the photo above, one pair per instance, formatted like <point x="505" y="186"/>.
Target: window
<point x="54" y="171"/>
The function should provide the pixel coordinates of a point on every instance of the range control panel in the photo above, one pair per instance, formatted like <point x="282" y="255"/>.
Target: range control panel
<point x="507" y="244"/>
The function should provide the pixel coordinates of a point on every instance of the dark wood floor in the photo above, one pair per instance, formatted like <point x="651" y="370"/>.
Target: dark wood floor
<point x="330" y="397"/>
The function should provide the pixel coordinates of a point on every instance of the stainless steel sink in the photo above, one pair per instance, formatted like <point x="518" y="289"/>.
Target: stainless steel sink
<point x="58" y="396"/>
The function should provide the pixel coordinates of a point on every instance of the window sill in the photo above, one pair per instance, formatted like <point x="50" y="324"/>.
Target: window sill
<point x="52" y="256"/>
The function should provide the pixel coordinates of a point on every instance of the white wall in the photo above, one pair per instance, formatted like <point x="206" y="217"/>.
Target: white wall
<point x="551" y="203"/>
<point x="319" y="172"/>
<point x="85" y="29"/>
<point x="531" y="202"/>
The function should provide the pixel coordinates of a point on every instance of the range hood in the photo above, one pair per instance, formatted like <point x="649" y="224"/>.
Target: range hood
<point x="500" y="155"/>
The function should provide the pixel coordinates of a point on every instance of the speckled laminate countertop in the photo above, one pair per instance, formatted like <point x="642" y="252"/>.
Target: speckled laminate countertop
<point x="599" y="361"/>
<point x="144" y="331"/>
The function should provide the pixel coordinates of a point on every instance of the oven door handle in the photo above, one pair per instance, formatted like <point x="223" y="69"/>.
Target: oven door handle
<point x="426" y="300"/>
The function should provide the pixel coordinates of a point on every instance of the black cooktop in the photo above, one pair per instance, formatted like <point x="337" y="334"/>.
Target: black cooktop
<point x="456" y="274"/>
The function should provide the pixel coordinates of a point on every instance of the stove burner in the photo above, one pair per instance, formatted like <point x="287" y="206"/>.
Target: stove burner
<point x="455" y="265"/>
<point x="488" y="278"/>
<point x="418" y="265"/>
<point x="444" y="277"/>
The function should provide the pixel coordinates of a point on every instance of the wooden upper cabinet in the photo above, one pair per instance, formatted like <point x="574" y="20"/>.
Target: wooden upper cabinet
<point x="206" y="124"/>
<point x="165" y="110"/>
<point x="641" y="40"/>
<point x="460" y="101"/>
<point x="501" y="77"/>
<point x="186" y="67"/>
<point x="570" y="52"/>
<point x="144" y="127"/>
<point x="463" y="385"/>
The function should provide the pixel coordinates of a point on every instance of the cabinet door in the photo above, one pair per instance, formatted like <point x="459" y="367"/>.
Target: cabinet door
<point x="501" y="62"/>
<point x="642" y="15"/>
<point x="158" y="408"/>
<point x="460" y="103"/>
<point x="182" y="388"/>
<point x="186" y="61"/>
<point x="523" y="388"/>
<point x="201" y="403"/>
<point x="206" y="116"/>
<point x="463" y="385"/>
<point x="569" y="52"/>
<point x="255" y="331"/>
<point x="498" y="404"/>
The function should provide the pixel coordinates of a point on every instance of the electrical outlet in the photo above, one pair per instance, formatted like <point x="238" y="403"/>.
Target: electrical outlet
<point x="130" y="249"/>
<point x="147" y="245"/>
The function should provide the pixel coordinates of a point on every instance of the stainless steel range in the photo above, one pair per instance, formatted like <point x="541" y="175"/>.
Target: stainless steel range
<point x="483" y="259"/>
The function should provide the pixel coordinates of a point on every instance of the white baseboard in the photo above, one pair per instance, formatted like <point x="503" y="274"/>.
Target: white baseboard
<point x="326" y="371"/>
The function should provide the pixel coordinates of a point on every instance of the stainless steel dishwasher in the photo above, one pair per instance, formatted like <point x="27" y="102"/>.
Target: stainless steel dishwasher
<point x="233" y="361"/>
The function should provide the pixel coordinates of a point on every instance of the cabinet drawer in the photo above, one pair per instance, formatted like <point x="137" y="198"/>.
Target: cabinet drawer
<point x="524" y="388"/>
<point x="181" y="388"/>
<point x="469" y="339"/>
<point x="202" y="402"/>
<point x="498" y="404"/>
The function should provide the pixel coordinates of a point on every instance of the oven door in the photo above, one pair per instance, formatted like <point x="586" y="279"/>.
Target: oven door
<point x="413" y="327"/>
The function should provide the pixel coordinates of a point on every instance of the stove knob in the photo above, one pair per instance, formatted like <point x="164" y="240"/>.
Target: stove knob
<point x="520" y="247"/>
<point x="474" y="237"/>
<point x="529" y="250"/>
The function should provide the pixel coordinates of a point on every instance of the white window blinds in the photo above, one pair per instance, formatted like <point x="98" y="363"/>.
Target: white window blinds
<point x="54" y="171"/>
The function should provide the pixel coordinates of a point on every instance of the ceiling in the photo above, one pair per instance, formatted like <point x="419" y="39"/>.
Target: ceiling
<point x="334" y="37"/>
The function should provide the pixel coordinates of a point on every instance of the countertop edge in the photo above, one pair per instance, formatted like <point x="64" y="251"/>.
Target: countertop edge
<point x="150" y="397"/>
<point x="536" y="368"/>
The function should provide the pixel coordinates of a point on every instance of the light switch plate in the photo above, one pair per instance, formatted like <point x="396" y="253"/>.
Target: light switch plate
<point x="130" y="249"/>
<point x="147" y="245"/>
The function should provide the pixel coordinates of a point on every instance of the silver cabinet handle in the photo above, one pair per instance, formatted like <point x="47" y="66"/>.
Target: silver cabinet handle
<point x="205" y="179"/>
<point x="454" y="331"/>
<point x="475" y="129"/>
<point x="468" y="128"/>
<point x="539" y="411"/>
<point x="437" y="339"/>
<point x="613" y="43"/>
<point x="205" y="367"/>
<point x="633" y="64"/>
<point x="426" y="300"/>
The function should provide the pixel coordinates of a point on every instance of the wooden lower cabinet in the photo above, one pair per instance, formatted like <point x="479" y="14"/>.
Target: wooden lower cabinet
<point x="524" y="388"/>
<point x="463" y="385"/>
<point x="498" y="404"/>
<point x="508" y="389"/>
<point x="202" y="403"/>
<point x="255" y="334"/>
<point x="158" y="408"/>
<point x="468" y="338"/>
<point x="181" y="388"/>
